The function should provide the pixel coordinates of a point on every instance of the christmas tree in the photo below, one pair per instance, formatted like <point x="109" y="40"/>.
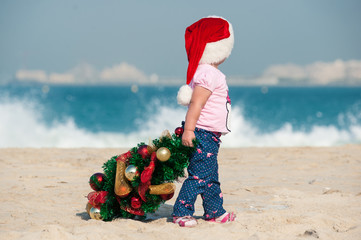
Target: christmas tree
<point x="137" y="182"/>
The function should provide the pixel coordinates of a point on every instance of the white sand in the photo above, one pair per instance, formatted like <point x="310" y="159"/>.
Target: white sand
<point x="277" y="193"/>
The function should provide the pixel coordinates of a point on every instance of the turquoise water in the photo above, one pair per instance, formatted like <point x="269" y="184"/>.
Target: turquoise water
<point x="119" y="116"/>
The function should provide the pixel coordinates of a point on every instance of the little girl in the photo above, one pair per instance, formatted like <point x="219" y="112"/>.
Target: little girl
<point x="208" y="42"/>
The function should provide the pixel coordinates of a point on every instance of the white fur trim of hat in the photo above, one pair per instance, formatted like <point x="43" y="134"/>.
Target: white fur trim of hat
<point x="216" y="52"/>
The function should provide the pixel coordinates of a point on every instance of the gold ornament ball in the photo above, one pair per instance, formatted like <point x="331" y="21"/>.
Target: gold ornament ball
<point x="131" y="172"/>
<point x="163" y="154"/>
<point x="94" y="213"/>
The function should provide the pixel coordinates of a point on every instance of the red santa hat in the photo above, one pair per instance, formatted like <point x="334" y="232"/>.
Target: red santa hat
<point x="209" y="40"/>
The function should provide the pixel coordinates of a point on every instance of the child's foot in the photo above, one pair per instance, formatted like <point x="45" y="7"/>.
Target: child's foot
<point x="186" y="221"/>
<point x="227" y="217"/>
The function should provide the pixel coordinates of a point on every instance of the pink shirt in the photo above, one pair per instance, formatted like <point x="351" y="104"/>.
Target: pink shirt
<point x="214" y="116"/>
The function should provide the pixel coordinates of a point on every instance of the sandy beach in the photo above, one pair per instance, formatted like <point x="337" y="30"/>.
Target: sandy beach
<point x="277" y="193"/>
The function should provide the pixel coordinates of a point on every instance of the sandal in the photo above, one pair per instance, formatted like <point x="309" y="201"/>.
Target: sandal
<point x="186" y="221"/>
<point x="227" y="217"/>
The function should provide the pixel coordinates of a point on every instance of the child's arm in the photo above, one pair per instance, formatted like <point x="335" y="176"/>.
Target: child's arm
<point x="199" y="98"/>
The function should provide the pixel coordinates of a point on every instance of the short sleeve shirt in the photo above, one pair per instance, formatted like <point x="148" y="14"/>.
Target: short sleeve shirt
<point x="215" y="114"/>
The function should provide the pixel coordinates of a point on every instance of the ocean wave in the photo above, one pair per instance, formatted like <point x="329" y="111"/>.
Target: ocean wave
<point x="246" y="135"/>
<point x="22" y="124"/>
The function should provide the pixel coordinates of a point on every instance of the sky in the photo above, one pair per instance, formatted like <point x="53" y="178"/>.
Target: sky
<point x="143" y="41"/>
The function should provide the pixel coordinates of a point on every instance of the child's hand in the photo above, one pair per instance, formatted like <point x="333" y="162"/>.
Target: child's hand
<point x="187" y="138"/>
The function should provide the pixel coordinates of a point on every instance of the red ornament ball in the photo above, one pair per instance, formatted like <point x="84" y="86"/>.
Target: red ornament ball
<point x="179" y="131"/>
<point x="166" y="197"/>
<point x="135" y="202"/>
<point x="96" y="181"/>
<point x="143" y="151"/>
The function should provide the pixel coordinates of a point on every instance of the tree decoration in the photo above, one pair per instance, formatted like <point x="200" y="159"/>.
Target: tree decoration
<point x="94" y="213"/>
<point x="96" y="181"/>
<point x="122" y="188"/>
<point x="137" y="182"/>
<point x="166" y="197"/>
<point x="143" y="151"/>
<point x="88" y="207"/>
<point x="165" y="134"/>
<point x="131" y="172"/>
<point x="136" y="202"/>
<point x="146" y="177"/>
<point x="179" y="131"/>
<point x="151" y="148"/>
<point x="163" y="154"/>
<point x="161" y="189"/>
<point x="96" y="199"/>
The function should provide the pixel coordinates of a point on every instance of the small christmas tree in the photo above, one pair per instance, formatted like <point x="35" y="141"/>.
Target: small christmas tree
<point x="137" y="182"/>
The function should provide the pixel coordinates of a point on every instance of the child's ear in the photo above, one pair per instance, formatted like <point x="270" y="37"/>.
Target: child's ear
<point x="184" y="95"/>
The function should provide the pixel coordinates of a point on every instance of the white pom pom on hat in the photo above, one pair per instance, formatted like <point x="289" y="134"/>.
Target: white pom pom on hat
<point x="209" y="40"/>
<point x="184" y="95"/>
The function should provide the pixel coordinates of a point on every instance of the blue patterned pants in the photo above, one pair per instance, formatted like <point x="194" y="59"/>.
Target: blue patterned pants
<point x="202" y="179"/>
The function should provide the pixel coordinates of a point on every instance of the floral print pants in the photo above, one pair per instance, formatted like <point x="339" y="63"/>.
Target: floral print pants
<point x="202" y="179"/>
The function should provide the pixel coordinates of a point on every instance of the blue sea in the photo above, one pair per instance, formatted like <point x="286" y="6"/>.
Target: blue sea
<point x="35" y="115"/>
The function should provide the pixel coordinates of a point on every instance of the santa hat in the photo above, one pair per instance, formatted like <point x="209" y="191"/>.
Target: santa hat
<point x="209" y="40"/>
